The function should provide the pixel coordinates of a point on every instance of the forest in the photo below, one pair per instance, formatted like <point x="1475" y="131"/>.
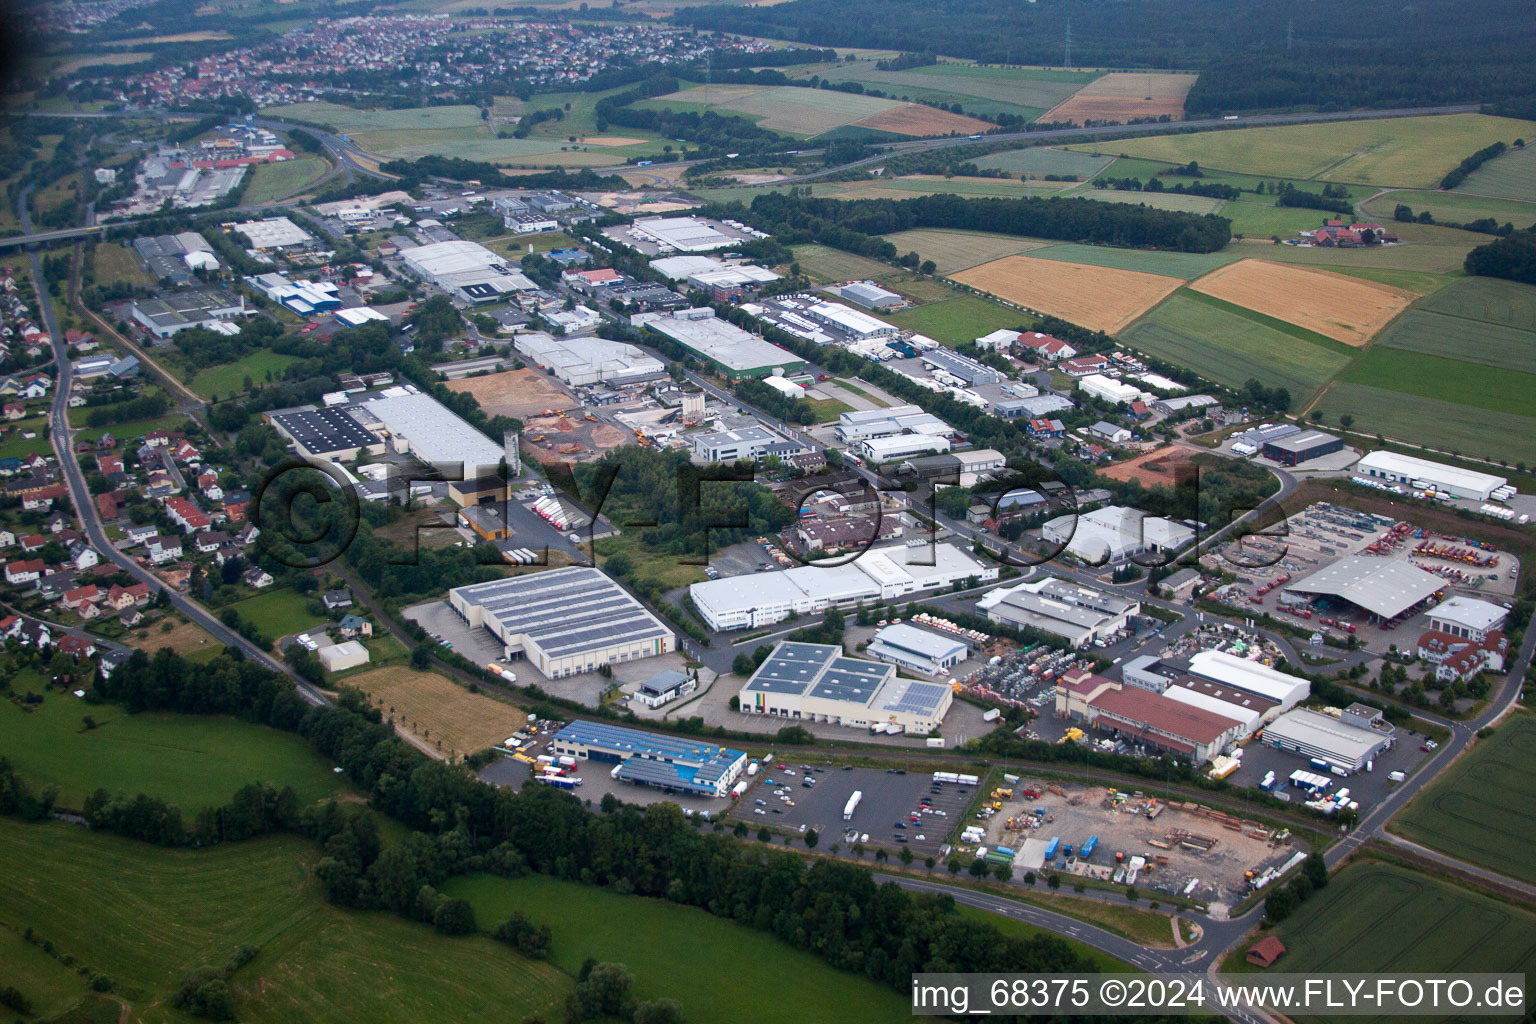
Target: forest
<point x="1074" y="220"/>
<point x="1512" y="257"/>
<point x="1251" y="54"/>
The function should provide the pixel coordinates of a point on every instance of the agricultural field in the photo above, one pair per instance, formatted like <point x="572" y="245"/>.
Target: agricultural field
<point x="185" y="638"/>
<point x="1407" y="152"/>
<point x="1183" y="265"/>
<point x="1434" y="422"/>
<point x="192" y="760"/>
<point x="1511" y="175"/>
<point x="1427" y="247"/>
<point x="1451" y="380"/>
<point x="1037" y="161"/>
<point x="437" y="710"/>
<point x="961" y="319"/>
<point x="1266" y="220"/>
<point x="145" y="916"/>
<point x="1344" y="308"/>
<point x="270" y="182"/>
<point x="958" y="250"/>
<point x="1099" y="298"/>
<point x="229" y="379"/>
<point x="1476" y="809"/>
<point x="825" y="265"/>
<point x="1229" y="348"/>
<point x="1379" y="917"/>
<point x="1420" y="330"/>
<point x="1123" y="95"/>
<point x="682" y="953"/>
<point x="277" y="613"/>
<point x="1022" y="92"/>
<point x="804" y="112"/>
<point x="1487" y="300"/>
<point x="1157" y="200"/>
<point x="1452" y="207"/>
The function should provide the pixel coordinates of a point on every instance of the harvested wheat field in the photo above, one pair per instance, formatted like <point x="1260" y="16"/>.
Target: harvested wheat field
<point x="1157" y="468"/>
<point x="1347" y="309"/>
<point x="438" y="711"/>
<point x="515" y="393"/>
<point x="183" y="637"/>
<point x="917" y="119"/>
<point x="1122" y="95"/>
<point x="1099" y="298"/>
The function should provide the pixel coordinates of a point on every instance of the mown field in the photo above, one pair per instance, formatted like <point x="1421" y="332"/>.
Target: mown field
<point x="1453" y="207"/>
<point x="963" y="318"/>
<point x="804" y="112"/>
<point x="1230" y="348"/>
<point x="1124" y="96"/>
<point x="825" y="265"/>
<point x="1157" y="200"/>
<point x="1510" y="176"/>
<point x="270" y="182"/>
<point x="277" y="612"/>
<point x="720" y="971"/>
<point x="194" y="761"/>
<point x="1343" y="308"/>
<point x="145" y="917"/>
<point x="1184" y="265"/>
<point x="1382" y="918"/>
<point x="437" y="710"/>
<point x="1022" y="92"/>
<point x="1099" y="298"/>
<point x="229" y="379"/>
<point x="113" y="264"/>
<point x="1477" y="809"/>
<point x="1408" y="152"/>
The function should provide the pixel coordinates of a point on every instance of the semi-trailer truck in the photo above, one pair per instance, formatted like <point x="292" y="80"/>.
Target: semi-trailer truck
<point x="852" y="804"/>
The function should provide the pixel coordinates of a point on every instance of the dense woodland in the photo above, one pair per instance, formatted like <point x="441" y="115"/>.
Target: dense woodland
<point x="1251" y="54"/>
<point x="798" y="218"/>
<point x="1512" y="257"/>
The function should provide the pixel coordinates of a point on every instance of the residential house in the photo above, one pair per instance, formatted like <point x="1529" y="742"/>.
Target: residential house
<point x="334" y="599"/>
<point x="15" y="411"/>
<point x="26" y="571"/>
<point x="75" y="646"/>
<point x="10" y="627"/>
<point x="40" y="499"/>
<point x="83" y="556"/>
<point x="209" y="542"/>
<point x="208" y="483"/>
<point x="73" y="599"/>
<point x="1045" y="348"/>
<point x="57" y="523"/>
<point x="106" y="507"/>
<point x="7" y="538"/>
<point x="353" y="626"/>
<point x="139" y="534"/>
<point x="163" y="548"/>
<point x="131" y="617"/>
<point x="256" y="579"/>
<point x="186" y="515"/>
<point x="1041" y="429"/>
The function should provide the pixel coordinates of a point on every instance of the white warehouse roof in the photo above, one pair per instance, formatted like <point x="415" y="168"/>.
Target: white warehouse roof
<point x="1250" y="676"/>
<point x="1475" y="615"/>
<point x="434" y="432"/>
<point x="1380" y="587"/>
<point x="274" y="233"/>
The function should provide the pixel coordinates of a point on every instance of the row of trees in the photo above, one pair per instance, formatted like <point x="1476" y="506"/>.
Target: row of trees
<point x="1078" y="220"/>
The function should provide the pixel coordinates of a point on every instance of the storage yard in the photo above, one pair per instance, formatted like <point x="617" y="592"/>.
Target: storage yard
<point x="1187" y="849"/>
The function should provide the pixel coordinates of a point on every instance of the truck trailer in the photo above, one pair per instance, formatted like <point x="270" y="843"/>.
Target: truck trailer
<point x="852" y="804"/>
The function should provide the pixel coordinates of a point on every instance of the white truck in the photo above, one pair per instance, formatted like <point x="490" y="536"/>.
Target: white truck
<point x="852" y="804"/>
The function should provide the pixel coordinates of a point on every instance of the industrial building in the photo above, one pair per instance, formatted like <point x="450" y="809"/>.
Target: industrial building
<point x="1421" y="474"/>
<point x="681" y="234"/>
<point x="729" y="349"/>
<point x="870" y="295"/>
<point x="1044" y="405"/>
<point x="1109" y="389"/>
<point x="331" y="434"/>
<point x="820" y="683"/>
<point x="465" y="269"/>
<point x="1387" y="589"/>
<point x="1295" y="449"/>
<point x="965" y="467"/>
<point x="1115" y="533"/>
<point x="174" y="312"/>
<point x="1249" y="676"/>
<point x="753" y="443"/>
<point x="342" y="656"/>
<point x="1219" y="699"/>
<point x="1074" y="612"/>
<point x="563" y="621"/>
<point x="1467" y="618"/>
<point x="917" y="649"/>
<point x="274" y="233"/>
<point x="1358" y="735"/>
<point x="589" y="360"/>
<point x="858" y="326"/>
<point x="676" y="764"/>
<point x="1149" y="719"/>
<point x="964" y="368"/>
<point x="901" y="446"/>
<point x="418" y="424"/>
<point x="853" y="427"/>
<point x="175" y="257"/>
<point x="889" y="573"/>
<point x="723" y="280"/>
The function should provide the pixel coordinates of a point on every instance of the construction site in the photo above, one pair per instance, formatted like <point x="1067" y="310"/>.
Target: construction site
<point x="1128" y="838"/>
<point x="553" y="435"/>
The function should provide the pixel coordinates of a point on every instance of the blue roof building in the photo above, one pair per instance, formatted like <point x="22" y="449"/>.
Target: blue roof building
<point x="679" y="764"/>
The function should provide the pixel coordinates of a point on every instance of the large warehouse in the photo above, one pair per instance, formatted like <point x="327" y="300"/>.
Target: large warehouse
<point x="419" y="424"/>
<point x="819" y="683"/>
<point x="917" y="649"/>
<point x="331" y="434"/>
<point x="1115" y="533"/>
<point x="563" y="621"/>
<point x="731" y="350"/>
<point x="676" y="764"/>
<point x="902" y="446"/>
<point x="588" y="360"/>
<point x="761" y="599"/>
<point x="1149" y="719"/>
<point x="863" y="424"/>
<point x="1347" y="742"/>
<point x="1079" y="614"/>
<point x="1421" y="473"/>
<point x="1294" y="449"/>
<point x="465" y="269"/>
<point x="1384" y="588"/>
<point x="1282" y="688"/>
<point x="681" y="234"/>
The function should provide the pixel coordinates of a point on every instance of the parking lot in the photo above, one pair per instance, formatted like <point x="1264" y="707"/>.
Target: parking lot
<point x="883" y="814"/>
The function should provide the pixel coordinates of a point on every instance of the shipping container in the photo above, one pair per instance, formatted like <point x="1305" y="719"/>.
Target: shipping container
<point x="937" y="741"/>
<point x="1091" y="845"/>
<point x="1050" y="847"/>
